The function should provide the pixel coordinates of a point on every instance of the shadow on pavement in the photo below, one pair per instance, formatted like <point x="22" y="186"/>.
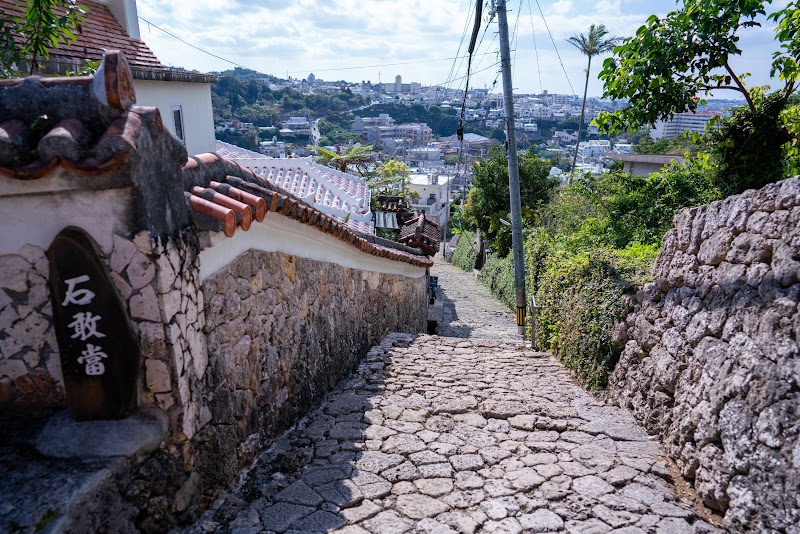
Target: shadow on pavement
<point x="316" y="476"/>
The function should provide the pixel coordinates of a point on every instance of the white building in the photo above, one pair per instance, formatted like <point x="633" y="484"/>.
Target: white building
<point x="298" y="125"/>
<point x="683" y="122"/>
<point x="433" y="198"/>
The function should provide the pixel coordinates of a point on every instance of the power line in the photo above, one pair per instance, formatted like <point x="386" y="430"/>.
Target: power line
<point x="555" y="47"/>
<point x="193" y="46"/>
<point x="310" y="70"/>
<point x="382" y="64"/>
<point x="535" y="48"/>
<point x="453" y="68"/>
<point x="515" y="39"/>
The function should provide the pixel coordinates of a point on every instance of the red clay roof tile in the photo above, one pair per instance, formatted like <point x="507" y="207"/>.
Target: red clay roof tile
<point x="100" y="32"/>
<point x="219" y="173"/>
<point x="84" y="138"/>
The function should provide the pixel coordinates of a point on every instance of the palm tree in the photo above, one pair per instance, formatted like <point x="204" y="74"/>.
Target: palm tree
<point x="592" y="44"/>
<point x="356" y="155"/>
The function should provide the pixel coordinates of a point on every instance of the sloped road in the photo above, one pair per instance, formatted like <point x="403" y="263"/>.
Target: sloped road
<point x="459" y="434"/>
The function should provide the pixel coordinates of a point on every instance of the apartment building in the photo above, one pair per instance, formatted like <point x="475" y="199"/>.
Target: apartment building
<point x="683" y="122"/>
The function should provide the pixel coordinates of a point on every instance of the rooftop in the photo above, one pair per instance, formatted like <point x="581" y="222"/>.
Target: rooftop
<point x="339" y="194"/>
<point x="85" y="132"/>
<point x="424" y="179"/>
<point x="94" y="132"/>
<point x="421" y="233"/>
<point x="101" y="32"/>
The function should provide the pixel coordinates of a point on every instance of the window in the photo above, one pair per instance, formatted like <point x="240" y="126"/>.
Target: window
<point x="177" y="119"/>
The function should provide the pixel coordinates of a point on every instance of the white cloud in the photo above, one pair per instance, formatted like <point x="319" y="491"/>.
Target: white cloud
<point x="333" y="37"/>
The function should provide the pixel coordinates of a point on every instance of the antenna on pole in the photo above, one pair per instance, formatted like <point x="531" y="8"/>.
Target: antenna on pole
<point x="513" y="166"/>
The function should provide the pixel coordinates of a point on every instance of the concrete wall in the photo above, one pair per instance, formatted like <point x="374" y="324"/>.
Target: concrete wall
<point x="712" y="364"/>
<point x="195" y="99"/>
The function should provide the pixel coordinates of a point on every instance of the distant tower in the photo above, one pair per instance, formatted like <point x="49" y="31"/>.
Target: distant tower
<point x="398" y="84"/>
<point x="311" y="78"/>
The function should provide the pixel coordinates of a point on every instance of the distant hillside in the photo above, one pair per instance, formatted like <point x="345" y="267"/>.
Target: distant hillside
<point x="244" y="95"/>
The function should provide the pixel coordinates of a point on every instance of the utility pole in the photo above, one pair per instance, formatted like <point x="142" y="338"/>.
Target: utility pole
<point x="513" y="166"/>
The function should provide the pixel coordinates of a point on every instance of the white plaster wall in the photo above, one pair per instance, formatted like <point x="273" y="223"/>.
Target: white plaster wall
<point x="281" y="234"/>
<point x="195" y="98"/>
<point x="37" y="219"/>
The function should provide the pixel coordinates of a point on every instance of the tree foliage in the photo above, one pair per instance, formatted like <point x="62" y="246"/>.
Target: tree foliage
<point x="389" y="175"/>
<point x="750" y="145"/>
<point x="593" y="43"/>
<point x="671" y="62"/>
<point x="241" y="93"/>
<point x="28" y="39"/>
<point x="489" y="200"/>
<point x="355" y="158"/>
<point x="639" y="209"/>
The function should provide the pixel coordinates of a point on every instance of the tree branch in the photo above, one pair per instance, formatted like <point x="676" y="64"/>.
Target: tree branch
<point x="712" y="87"/>
<point x="741" y="87"/>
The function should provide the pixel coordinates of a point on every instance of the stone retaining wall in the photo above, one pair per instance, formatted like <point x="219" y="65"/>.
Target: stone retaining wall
<point x="712" y="362"/>
<point x="279" y="331"/>
<point x="282" y="331"/>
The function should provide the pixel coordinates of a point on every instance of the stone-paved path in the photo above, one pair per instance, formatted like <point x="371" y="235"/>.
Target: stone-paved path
<point x="442" y="434"/>
<point x="470" y="310"/>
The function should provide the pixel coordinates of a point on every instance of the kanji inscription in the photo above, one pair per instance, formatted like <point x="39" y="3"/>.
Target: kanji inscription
<point x="99" y="353"/>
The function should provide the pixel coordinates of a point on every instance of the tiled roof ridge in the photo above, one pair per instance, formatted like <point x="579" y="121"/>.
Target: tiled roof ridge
<point x="421" y="232"/>
<point x="206" y="172"/>
<point x="93" y="125"/>
<point x="322" y="171"/>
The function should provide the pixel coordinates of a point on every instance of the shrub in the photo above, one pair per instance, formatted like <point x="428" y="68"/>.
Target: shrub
<point x="498" y="275"/>
<point x="584" y="297"/>
<point x="466" y="252"/>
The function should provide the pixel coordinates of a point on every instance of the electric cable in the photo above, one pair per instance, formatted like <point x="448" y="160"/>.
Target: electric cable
<point x="535" y="49"/>
<point x="555" y="47"/>
<point x="193" y="46"/>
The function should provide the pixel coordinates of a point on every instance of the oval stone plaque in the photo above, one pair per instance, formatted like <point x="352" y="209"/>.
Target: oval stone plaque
<point x="99" y="352"/>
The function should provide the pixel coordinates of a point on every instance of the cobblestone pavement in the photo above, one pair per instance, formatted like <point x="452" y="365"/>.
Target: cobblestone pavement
<point x="441" y="434"/>
<point x="470" y="310"/>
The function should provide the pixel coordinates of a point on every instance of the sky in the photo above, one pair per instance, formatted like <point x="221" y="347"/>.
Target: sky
<point x="376" y="40"/>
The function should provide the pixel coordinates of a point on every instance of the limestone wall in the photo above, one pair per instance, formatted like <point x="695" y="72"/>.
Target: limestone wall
<point x="30" y="368"/>
<point x="712" y="363"/>
<point x="282" y="330"/>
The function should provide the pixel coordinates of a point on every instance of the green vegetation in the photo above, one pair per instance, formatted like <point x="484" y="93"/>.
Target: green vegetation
<point x="43" y="27"/>
<point x="355" y="158"/>
<point x="588" y="249"/>
<point x="442" y="121"/>
<point x="673" y="146"/>
<point x="337" y="132"/>
<point x="670" y="62"/>
<point x="49" y="516"/>
<point x="245" y="95"/>
<point x="583" y="297"/>
<point x="388" y="176"/>
<point x="466" y="252"/>
<point x="498" y="275"/>
<point x="488" y="200"/>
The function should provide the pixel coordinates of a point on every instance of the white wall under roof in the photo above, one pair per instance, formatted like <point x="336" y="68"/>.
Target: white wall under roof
<point x="195" y="101"/>
<point x="278" y="233"/>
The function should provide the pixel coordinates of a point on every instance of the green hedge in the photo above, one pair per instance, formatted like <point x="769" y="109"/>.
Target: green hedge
<point x="498" y="275"/>
<point x="584" y="296"/>
<point x="466" y="252"/>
